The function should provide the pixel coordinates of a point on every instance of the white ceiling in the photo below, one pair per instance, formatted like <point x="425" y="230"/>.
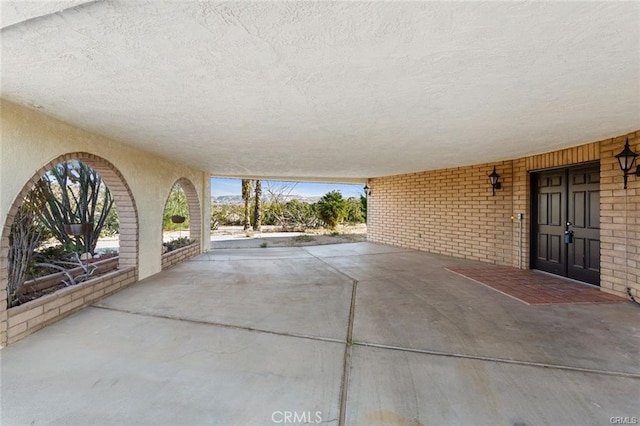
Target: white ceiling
<point x="333" y="90"/>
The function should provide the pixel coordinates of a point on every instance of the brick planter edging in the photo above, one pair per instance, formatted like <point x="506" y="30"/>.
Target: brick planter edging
<point x="51" y="280"/>
<point x="174" y="257"/>
<point x="26" y="319"/>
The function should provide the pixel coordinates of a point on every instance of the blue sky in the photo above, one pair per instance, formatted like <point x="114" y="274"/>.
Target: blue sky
<point x="223" y="186"/>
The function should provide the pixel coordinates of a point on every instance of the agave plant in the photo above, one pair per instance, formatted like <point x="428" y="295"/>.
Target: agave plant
<point x="74" y="193"/>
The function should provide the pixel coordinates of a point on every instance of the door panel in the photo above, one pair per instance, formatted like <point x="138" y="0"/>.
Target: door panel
<point x="568" y="199"/>
<point x="555" y="208"/>
<point x="584" y="214"/>
<point x="579" y="218"/>
<point x="576" y="255"/>
<point x="594" y="256"/>
<point x="549" y="251"/>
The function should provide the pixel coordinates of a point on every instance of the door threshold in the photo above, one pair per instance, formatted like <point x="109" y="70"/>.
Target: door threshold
<point x="567" y="278"/>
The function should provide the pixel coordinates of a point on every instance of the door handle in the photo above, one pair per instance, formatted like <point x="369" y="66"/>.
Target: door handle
<point x="568" y="237"/>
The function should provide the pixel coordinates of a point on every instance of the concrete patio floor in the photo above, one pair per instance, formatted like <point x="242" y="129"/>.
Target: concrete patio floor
<point x="264" y="336"/>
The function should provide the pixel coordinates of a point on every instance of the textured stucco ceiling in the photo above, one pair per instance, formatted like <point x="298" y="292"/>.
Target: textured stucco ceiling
<point x="329" y="89"/>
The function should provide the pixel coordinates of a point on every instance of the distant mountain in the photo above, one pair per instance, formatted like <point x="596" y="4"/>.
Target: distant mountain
<point x="237" y="199"/>
<point x="227" y="199"/>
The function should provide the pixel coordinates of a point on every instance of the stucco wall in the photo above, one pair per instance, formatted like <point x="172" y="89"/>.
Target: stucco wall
<point x="453" y="212"/>
<point x="30" y="140"/>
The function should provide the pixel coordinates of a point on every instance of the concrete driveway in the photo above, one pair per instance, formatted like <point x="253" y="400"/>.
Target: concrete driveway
<point x="259" y="336"/>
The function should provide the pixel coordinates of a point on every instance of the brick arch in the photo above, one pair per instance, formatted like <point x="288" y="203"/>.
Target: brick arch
<point x="127" y="213"/>
<point x="195" y="221"/>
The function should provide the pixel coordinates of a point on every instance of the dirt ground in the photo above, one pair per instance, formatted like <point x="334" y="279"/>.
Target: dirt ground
<point x="234" y="237"/>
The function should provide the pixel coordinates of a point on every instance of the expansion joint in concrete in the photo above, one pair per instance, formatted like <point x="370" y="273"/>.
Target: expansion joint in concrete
<point x="500" y="360"/>
<point x="347" y="357"/>
<point x="216" y="324"/>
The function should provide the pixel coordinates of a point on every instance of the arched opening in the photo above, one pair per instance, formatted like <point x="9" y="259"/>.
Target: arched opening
<point x="122" y="198"/>
<point x="181" y="218"/>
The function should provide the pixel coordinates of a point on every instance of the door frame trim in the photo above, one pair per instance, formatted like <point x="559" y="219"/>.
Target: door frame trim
<point x="533" y="207"/>
<point x="565" y="166"/>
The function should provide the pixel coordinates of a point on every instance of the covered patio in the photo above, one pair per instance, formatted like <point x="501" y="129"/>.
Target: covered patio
<point x="358" y="332"/>
<point x="490" y="136"/>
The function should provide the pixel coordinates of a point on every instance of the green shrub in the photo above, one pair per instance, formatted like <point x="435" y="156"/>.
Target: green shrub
<point x="354" y="211"/>
<point x="51" y="254"/>
<point x="111" y="224"/>
<point x="178" y="243"/>
<point x="332" y="208"/>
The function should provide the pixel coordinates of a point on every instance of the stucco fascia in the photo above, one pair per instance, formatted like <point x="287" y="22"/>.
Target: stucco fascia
<point x="31" y="139"/>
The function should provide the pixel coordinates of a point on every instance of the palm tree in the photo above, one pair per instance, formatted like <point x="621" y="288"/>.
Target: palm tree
<point x="332" y="208"/>
<point x="257" y="214"/>
<point x="247" y="187"/>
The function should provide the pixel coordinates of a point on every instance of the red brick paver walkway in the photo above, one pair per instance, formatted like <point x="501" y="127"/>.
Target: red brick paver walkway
<point x="535" y="288"/>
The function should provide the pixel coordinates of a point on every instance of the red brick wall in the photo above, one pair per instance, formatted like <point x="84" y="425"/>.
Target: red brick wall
<point x="452" y="211"/>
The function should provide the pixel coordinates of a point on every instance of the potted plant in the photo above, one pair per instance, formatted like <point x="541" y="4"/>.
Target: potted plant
<point x="78" y="229"/>
<point x="177" y="219"/>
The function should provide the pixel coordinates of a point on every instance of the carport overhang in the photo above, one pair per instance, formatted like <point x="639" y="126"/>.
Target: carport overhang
<point x="329" y="91"/>
<point x="418" y="99"/>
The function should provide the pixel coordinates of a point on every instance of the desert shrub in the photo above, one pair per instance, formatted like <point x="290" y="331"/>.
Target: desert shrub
<point x="272" y="213"/>
<point x="226" y="214"/>
<point x="51" y="254"/>
<point x="354" y="211"/>
<point x="24" y="238"/>
<point x="111" y="224"/>
<point x="303" y="239"/>
<point x="292" y="215"/>
<point x="178" y="243"/>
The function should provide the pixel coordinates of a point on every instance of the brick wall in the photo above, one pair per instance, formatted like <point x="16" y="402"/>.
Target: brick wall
<point x="619" y="221"/>
<point x="453" y="212"/>
<point x="174" y="257"/>
<point x="26" y="319"/>
<point x="450" y="212"/>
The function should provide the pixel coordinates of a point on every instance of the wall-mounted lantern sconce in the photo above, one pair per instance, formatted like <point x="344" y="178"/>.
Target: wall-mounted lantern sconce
<point x="626" y="160"/>
<point x="494" y="179"/>
<point x="367" y="190"/>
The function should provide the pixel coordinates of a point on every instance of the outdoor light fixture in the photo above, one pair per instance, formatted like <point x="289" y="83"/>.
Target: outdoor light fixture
<point x="367" y="190"/>
<point x="494" y="180"/>
<point x="626" y="160"/>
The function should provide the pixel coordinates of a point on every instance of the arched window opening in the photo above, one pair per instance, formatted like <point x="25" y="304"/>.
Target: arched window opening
<point x="64" y="232"/>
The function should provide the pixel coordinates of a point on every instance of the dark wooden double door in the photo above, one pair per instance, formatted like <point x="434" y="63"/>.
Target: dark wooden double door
<point x="566" y="223"/>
